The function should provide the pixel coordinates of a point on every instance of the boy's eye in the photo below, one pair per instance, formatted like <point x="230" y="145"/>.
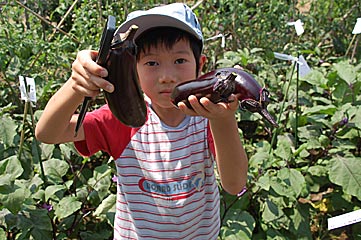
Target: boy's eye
<point x="151" y="63"/>
<point x="180" y="60"/>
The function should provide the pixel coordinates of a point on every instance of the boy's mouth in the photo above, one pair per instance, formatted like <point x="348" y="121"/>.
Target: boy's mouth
<point x="166" y="91"/>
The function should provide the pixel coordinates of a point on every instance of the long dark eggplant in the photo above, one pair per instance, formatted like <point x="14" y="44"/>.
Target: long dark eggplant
<point x="219" y="84"/>
<point x="118" y="56"/>
<point x="126" y="102"/>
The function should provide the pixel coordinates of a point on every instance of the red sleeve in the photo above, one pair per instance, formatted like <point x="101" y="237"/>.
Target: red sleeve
<point x="210" y="140"/>
<point x="103" y="132"/>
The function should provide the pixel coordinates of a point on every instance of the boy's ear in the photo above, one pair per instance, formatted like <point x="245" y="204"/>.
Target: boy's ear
<point x="202" y="61"/>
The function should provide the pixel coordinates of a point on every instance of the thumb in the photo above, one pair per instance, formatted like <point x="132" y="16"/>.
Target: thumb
<point x="233" y="101"/>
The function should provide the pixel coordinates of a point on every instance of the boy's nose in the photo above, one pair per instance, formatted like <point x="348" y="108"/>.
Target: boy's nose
<point x="167" y="75"/>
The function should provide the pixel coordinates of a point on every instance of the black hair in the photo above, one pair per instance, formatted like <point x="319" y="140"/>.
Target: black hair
<point x="168" y="36"/>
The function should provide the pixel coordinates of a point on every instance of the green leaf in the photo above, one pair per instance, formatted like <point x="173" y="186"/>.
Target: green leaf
<point x="101" y="172"/>
<point x="101" y="180"/>
<point x="34" y="224"/>
<point x="238" y="226"/>
<point x="225" y="63"/>
<point x="319" y="109"/>
<point x="341" y="90"/>
<point x="258" y="159"/>
<point x="52" y="190"/>
<point x="108" y="204"/>
<point x="5" y="182"/>
<point x="318" y="170"/>
<point x="316" y="78"/>
<point x="67" y="150"/>
<point x="39" y="234"/>
<point x="284" y="147"/>
<point x="356" y="119"/>
<point x="264" y="182"/>
<point x="346" y="172"/>
<point x="13" y="198"/>
<point x="282" y="188"/>
<point x="7" y="219"/>
<point x="2" y="234"/>
<point x="300" y="222"/>
<point x="47" y="150"/>
<point x="11" y="167"/>
<point x="346" y="71"/>
<point x="7" y="131"/>
<point x="273" y="234"/>
<point x="67" y="206"/>
<point x="273" y="216"/>
<point x="55" y="169"/>
<point x="271" y="211"/>
<point x="308" y="133"/>
<point x="35" y="219"/>
<point x="103" y="234"/>
<point x="293" y="178"/>
<point x="35" y="183"/>
<point x="289" y="183"/>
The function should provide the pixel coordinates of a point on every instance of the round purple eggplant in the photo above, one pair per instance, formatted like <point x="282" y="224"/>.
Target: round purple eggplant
<point x="219" y="84"/>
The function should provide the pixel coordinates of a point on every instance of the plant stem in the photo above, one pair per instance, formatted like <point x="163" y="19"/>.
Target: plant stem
<point x="22" y="135"/>
<point x="355" y="48"/>
<point x="197" y="4"/>
<point x="350" y="45"/>
<point x="275" y="131"/>
<point x="37" y="149"/>
<point x="297" y="103"/>
<point x="22" y="139"/>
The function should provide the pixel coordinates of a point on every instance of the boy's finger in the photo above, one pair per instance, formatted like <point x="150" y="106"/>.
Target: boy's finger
<point x="85" y="91"/>
<point x="87" y="60"/>
<point x="198" y="106"/>
<point x="183" y="107"/>
<point x="109" y="87"/>
<point x="238" y="67"/>
<point x="102" y="83"/>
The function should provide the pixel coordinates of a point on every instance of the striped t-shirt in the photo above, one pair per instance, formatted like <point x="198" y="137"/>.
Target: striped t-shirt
<point x="166" y="182"/>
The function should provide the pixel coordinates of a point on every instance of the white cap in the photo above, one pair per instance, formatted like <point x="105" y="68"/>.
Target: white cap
<point x="177" y="15"/>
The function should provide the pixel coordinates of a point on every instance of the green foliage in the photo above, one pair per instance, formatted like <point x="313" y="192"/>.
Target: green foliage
<point x="300" y="174"/>
<point x="295" y="182"/>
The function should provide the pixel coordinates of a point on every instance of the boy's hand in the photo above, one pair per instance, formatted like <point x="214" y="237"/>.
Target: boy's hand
<point x="87" y="75"/>
<point x="207" y="109"/>
<point x="210" y="110"/>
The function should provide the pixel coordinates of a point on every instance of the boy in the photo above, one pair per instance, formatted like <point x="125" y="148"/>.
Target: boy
<point x="166" y="182"/>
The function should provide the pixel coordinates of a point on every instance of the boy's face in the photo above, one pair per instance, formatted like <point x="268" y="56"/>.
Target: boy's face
<point x="160" y="69"/>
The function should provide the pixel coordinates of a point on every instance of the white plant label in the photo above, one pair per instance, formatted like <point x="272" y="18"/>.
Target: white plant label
<point x="286" y="57"/>
<point x="357" y="28"/>
<point x="298" y="26"/>
<point x="304" y="69"/>
<point x="223" y="39"/>
<point x="27" y="89"/>
<point x="344" y="219"/>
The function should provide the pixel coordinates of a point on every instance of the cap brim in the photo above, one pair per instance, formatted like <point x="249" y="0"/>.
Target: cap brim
<point x="146" y="22"/>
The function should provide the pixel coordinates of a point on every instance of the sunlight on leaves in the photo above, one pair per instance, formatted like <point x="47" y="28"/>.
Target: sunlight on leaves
<point x="67" y="206"/>
<point x="346" y="172"/>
